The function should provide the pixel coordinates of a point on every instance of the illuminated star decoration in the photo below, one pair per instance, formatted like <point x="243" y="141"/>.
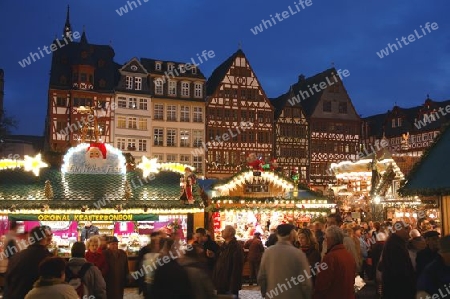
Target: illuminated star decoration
<point x="33" y="164"/>
<point x="148" y="166"/>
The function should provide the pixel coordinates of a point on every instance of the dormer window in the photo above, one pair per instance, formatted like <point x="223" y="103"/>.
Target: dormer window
<point x="182" y="68"/>
<point x="393" y="122"/>
<point x="194" y="70"/>
<point x="129" y="82"/>
<point x="170" y="67"/>
<point x="158" y="66"/>
<point x="399" y="122"/>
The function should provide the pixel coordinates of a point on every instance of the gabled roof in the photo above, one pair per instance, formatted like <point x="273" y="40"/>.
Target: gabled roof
<point x="150" y="66"/>
<point x="430" y="176"/>
<point x="219" y="73"/>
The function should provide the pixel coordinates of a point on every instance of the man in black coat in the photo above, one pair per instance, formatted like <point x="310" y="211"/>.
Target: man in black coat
<point x="398" y="279"/>
<point x="23" y="267"/>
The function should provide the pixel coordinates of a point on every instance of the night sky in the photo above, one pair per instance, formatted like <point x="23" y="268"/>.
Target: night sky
<point x="348" y="33"/>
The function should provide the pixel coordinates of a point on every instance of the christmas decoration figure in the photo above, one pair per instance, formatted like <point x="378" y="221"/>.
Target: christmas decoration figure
<point x="255" y="164"/>
<point x="186" y="186"/>
<point x="128" y="193"/>
<point x="48" y="190"/>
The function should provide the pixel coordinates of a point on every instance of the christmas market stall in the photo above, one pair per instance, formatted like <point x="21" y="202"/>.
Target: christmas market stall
<point x="93" y="185"/>
<point x="429" y="178"/>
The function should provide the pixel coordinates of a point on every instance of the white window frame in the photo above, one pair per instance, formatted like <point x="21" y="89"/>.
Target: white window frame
<point x="185" y="86"/>
<point x="171" y="137"/>
<point x="172" y="88"/>
<point x="198" y="114"/>
<point x="158" y="66"/>
<point x="142" y="123"/>
<point x="159" y="86"/>
<point x="170" y="66"/>
<point x="142" y="145"/>
<point x="158" y="140"/>
<point x="185" y="113"/>
<point x="197" y="138"/>
<point x="160" y="157"/>
<point x="121" y="122"/>
<point x="173" y="158"/>
<point x="171" y="111"/>
<point x="132" y="103"/>
<point x="185" y="159"/>
<point x="197" y="162"/>
<point x="138" y="83"/>
<point x="122" y="102"/>
<point x="158" y="112"/>
<point x="131" y="143"/>
<point x="198" y="90"/>
<point x="143" y="104"/>
<point x="129" y="82"/>
<point x="185" y="138"/>
<point x="194" y="70"/>
<point x="121" y="143"/>
<point x="132" y="123"/>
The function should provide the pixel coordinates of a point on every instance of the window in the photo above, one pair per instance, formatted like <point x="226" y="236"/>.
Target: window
<point x="158" y="66"/>
<point x="170" y="67"/>
<point x="82" y="102"/>
<point x="399" y="122"/>
<point x="160" y="157"/>
<point x="393" y="122"/>
<point x="171" y="113"/>
<point x="132" y="103"/>
<point x="132" y="123"/>
<point x="184" y="113"/>
<point x="194" y="70"/>
<point x="343" y="107"/>
<point x="326" y="106"/>
<point x="171" y="158"/>
<point x="172" y="88"/>
<point x="158" y="137"/>
<point x="158" y="112"/>
<point x="61" y="102"/>
<point x="184" y="138"/>
<point x="122" y="102"/>
<point x="198" y="114"/>
<point x="142" y="124"/>
<point x="198" y="164"/>
<point x="171" y="137"/>
<point x="131" y="146"/>
<point x="158" y="86"/>
<point x="185" y="89"/>
<point x="83" y="77"/>
<point x="121" y="122"/>
<point x="185" y="159"/>
<point x="137" y="83"/>
<point x="121" y="143"/>
<point x="60" y="126"/>
<point x="197" y="136"/>
<point x="198" y="90"/>
<point x="182" y="68"/>
<point x="143" y="104"/>
<point x="142" y="145"/>
<point x="129" y="82"/>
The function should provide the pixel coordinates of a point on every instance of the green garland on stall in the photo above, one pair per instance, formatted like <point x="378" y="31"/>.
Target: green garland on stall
<point x="266" y="200"/>
<point x="425" y="191"/>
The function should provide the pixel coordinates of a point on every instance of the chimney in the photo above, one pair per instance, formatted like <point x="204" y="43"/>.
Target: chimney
<point x="301" y="78"/>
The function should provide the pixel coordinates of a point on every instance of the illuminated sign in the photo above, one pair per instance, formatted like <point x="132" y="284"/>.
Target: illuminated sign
<point x="33" y="164"/>
<point x="83" y="217"/>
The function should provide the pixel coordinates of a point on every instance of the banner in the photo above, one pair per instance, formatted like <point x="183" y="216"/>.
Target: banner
<point x="83" y="217"/>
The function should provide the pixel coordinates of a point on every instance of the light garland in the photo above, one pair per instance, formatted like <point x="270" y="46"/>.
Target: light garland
<point x="106" y="211"/>
<point x="33" y="164"/>
<point x="149" y="166"/>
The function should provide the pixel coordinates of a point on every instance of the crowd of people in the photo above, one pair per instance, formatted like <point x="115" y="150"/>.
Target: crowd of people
<point x="320" y="261"/>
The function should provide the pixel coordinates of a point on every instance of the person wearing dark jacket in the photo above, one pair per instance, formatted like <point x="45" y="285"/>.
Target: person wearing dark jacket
<point x="210" y="247"/>
<point x="118" y="273"/>
<point x="88" y="231"/>
<point x="427" y="255"/>
<point x="92" y="278"/>
<point x="397" y="272"/>
<point x="255" y="252"/>
<point x="23" y="267"/>
<point x="171" y="280"/>
<point x="310" y="247"/>
<point x="435" y="278"/>
<point x="227" y="275"/>
<point x="272" y="239"/>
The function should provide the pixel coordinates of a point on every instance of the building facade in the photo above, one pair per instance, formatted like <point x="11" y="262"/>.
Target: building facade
<point x="177" y="127"/>
<point x="239" y="117"/>
<point x="132" y="113"/>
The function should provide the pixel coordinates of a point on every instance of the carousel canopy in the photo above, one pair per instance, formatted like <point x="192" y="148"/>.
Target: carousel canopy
<point x="430" y="175"/>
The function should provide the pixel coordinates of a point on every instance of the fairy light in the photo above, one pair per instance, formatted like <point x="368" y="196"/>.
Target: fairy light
<point x="33" y="164"/>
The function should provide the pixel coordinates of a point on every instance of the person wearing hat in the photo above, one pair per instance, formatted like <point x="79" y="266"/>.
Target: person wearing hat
<point x="118" y="273"/>
<point x="427" y="255"/>
<point x="435" y="278"/>
<point x="284" y="269"/>
<point x="255" y="251"/>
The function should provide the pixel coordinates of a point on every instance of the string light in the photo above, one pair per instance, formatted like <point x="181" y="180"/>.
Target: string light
<point x="33" y="164"/>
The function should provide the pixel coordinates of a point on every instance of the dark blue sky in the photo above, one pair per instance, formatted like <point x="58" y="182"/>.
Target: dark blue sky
<point x="346" y="32"/>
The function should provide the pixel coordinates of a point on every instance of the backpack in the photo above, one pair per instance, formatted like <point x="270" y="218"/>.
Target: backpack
<point x="76" y="280"/>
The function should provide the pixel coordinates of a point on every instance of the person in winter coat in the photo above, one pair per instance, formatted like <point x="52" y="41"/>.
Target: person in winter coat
<point x="284" y="272"/>
<point x="23" y="267"/>
<point x="92" y="279"/>
<point x="210" y="247"/>
<point x="51" y="282"/>
<point x="397" y="272"/>
<point x="375" y="254"/>
<point x="95" y="256"/>
<point x="227" y="275"/>
<point x="170" y="280"/>
<point x="428" y="254"/>
<point x="145" y="266"/>
<point x="309" y="246"/>
<point x="337" y="278"/>
<point x="195" y="265"/>
<point x="255" y="252"/>
<point x="88" y="231"/>
<point x="118" y="273"/>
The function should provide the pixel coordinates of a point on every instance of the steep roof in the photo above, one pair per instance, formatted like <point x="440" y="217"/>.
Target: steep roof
<point x="430" y="175"/>
<point x="219" y="73"/>
<point x="150" y="66"/>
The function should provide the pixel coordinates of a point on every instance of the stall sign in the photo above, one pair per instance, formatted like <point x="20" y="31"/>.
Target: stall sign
<point x="83" y="217"/>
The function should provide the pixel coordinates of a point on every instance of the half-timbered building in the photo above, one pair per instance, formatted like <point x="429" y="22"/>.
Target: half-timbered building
<point x="326" y="117"/>
<point x="239" y="117"/>
<point x="82" y="81"/>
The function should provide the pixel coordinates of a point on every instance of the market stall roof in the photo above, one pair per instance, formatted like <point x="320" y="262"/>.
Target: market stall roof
<point x="63" y="190"/>
<point x="430" y="175"/>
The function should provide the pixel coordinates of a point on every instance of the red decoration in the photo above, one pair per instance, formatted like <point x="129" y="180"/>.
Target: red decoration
<point x="254" y="162"/>
<point x="101" y="146"/>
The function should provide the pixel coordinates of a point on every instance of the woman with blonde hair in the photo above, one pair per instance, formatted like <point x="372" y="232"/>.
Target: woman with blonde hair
<point x="310" y="246"/>
<point x="95" y="256"/>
